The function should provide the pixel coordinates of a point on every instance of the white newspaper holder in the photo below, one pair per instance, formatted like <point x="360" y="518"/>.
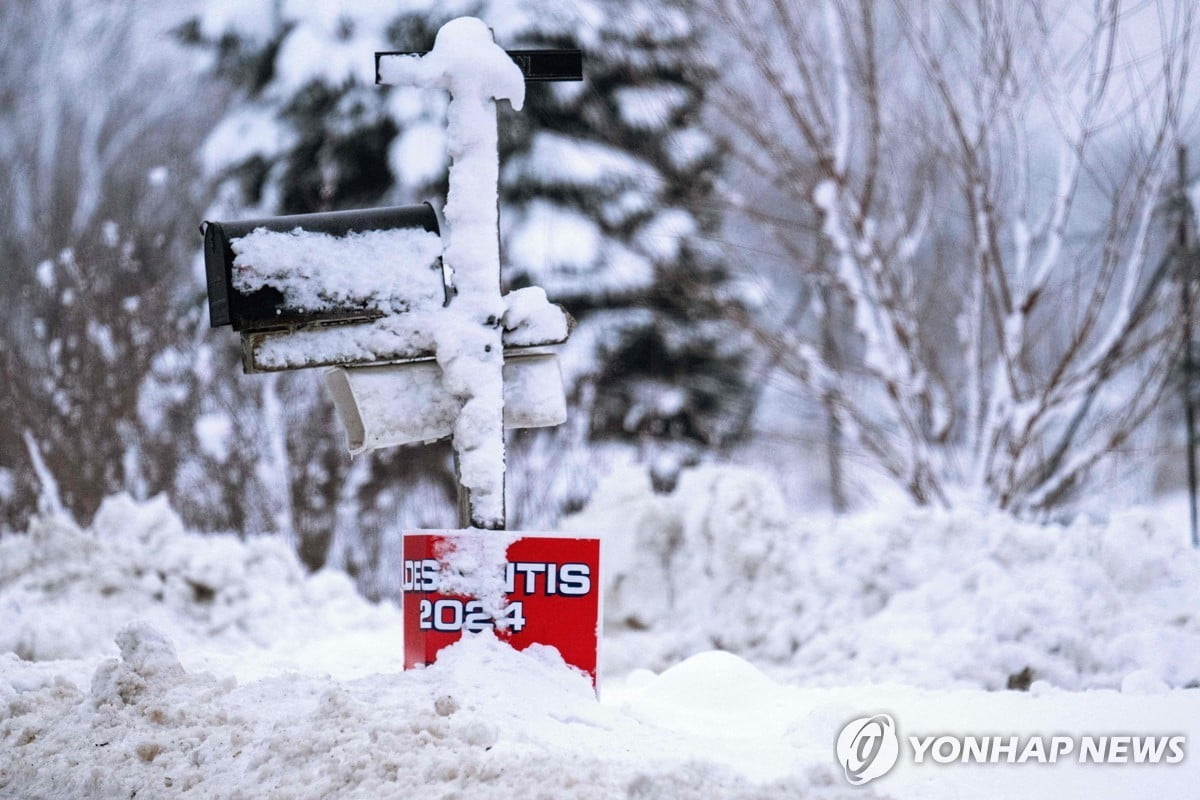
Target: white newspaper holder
<point x="394" y="404"/>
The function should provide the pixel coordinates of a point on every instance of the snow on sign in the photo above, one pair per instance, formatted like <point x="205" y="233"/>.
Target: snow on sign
<point x="525" y="588"/>
<point x="535" y="65"/>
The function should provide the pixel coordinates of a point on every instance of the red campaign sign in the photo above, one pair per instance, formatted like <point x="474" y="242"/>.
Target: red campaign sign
<point x="551" y="590"/>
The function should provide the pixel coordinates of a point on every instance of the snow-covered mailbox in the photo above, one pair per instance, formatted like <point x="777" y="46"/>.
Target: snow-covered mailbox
<point x="270" y="277"/>
<point x="363" y="292"/>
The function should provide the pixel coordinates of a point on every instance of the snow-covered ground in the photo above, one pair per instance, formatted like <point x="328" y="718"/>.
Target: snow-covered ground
<point x="136" y="657"/>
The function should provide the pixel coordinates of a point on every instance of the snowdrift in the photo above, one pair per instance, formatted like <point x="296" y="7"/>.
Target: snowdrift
<point x="928" y="598"/>
<point x="138" y="657"/>
<point x="65" y="592"/>
<point x="485" y="721"/>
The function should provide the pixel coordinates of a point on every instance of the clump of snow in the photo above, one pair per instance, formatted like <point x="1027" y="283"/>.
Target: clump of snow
<point x="148" y="663"/>
<point x="825" y="196"/>
<point x="214" y="431"/>
<point x="687" y="147"/>
<point x="925" y="597"/>
<point x="663" y="236"/>
<point x="546" y="236"/>
<point x="615" y="271"/>
<point x="102" y="337"/>
<point x="651" y="107"/>
<point x="554" y="160"/>
<point x="1143" y="681"/>
<point x="340" y="60"/>
<point x="531" y="319"/>
<point x="244" y="134"/>
<point x="249" y="21"/>
<point x="45" y="274"/>
<point x="110" y="233"/>
<point x="418" y="155"/>
<point x="474" y="565"/>
<point x="391" y="270"/>
<point x="8" y="484"/>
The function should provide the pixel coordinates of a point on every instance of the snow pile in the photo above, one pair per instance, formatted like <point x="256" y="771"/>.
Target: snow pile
<point x="562" y="249"/>
<point x="393" y="270"/>
<point x="933" y="599"/>
<point x="929" y="598"/>
<point x="66" y="592"/>
<point x="240" y="677"/>
<point x="485" y="719"/>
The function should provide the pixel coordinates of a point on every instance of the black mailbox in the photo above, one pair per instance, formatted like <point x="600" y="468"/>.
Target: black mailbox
<point x="347" y="288"/>
<point x="265" y="308"/>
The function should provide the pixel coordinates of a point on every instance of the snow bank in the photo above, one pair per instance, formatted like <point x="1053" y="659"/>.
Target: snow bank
<point x="65" y="592"/>
<point x="486" y="720"/>
<point x="235" y="675"/>
<point x="930" y="598"/>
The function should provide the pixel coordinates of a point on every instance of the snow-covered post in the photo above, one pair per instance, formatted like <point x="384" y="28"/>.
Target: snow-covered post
<point x="467" y="62"/>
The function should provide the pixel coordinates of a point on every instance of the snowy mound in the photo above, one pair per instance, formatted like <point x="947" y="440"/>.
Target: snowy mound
<point x="65" y="592"/>
<point x="239" y="676"/>
<point x="929" y="598"/>
<point x="485" y="720"/>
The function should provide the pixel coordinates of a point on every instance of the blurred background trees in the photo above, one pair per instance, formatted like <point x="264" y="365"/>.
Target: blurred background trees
<point x="977" y="210"/>
<point x="851" y="242"/>
<point x="97" y="185"/>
